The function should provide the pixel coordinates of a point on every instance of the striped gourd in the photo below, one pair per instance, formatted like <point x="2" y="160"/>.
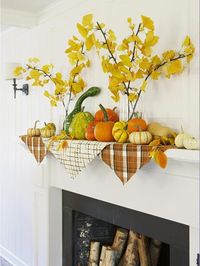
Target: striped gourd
<point x="142" y="137"/>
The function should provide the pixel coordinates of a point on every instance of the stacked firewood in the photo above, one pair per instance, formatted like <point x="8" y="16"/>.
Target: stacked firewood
<point x="128" y="249"/>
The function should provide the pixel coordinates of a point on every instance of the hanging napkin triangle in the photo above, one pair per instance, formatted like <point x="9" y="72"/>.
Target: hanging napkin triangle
<point x="125" y="159"/>
<point x="77" y="155"/>
<point x="36" y="147"/>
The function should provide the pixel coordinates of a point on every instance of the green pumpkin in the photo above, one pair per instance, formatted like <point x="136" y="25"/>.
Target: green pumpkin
<point x="79" y="124"/>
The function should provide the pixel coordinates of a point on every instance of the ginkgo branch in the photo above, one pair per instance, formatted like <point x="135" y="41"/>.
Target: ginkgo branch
<point x="111" y="54"/>
<point x="106" y="42"/>
<point x="40" y="70"/>
<point x="73" y="80"/>
<point x="181" y="56"/>
<point x="50" y="77"/>
<point x="132" y="60"/>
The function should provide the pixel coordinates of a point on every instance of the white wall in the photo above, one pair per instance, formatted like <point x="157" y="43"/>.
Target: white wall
<point x="174" y="101"/>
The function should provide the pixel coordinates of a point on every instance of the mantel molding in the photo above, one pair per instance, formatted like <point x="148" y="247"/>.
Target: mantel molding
<point x="190" y="156"/>
<point x="16" y="18"/>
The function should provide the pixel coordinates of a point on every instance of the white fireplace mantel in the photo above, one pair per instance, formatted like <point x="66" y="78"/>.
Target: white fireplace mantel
<point x="172" y="193"/>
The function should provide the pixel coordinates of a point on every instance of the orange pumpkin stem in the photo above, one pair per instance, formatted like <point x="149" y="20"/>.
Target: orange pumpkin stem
<point x="104" y="112"/>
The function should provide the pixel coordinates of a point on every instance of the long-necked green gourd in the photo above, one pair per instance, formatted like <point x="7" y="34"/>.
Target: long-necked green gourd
<point x="93" y="91"/>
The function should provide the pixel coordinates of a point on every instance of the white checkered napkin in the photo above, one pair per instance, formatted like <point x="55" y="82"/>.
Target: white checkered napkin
<point x="77" y="155"/>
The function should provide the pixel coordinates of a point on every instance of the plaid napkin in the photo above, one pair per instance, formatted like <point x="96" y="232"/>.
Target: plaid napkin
<point x="36" y="147"/>
<point x="126" y="159"/>
<point x="77" y="155"/>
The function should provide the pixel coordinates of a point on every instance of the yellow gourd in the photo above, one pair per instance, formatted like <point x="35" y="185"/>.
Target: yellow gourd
<point x="120" y="131"/>
<point x="48" y="131"/>
<point x="34" y="132"/>
<point x="142" y="137"/>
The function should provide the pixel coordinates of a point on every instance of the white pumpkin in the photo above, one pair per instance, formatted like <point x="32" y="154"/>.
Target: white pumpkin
<point x="143" y="137"/>
<point x="191" y="144"/>
<point x="180" y="139"/>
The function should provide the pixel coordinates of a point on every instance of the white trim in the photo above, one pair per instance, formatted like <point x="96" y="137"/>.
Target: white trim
<point x="56" y="9"/>
<point x="11" y="258"/>
<point x="191" y="156"/>
<point x="11" y="17"/>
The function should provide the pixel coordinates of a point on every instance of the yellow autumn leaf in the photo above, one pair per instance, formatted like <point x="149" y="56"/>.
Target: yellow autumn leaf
<point x="113" y="82"/>
<point x="18" y="71"/>
<point x="189" y="58"/>
<point x="186" y="41"/>
<point x="139" y="74"/>
<point x="161" y="159"/>
<point x="123" y="47"/>
<point x="124" y="69"/>
<point x="129" y="20"/>
<point x="46" y="94"/>
<point x="77" y="69"/>
<point x="88" y="63"/>
<point x="151" y="39"/>
<point x="155" y="60"/>
<point x="145" y="64"/>
<point x="132" y="97"/>
<point x="74" y="46"/>
<point x="35" y="74"/>
<point x="147" y="22"/>
<point x="112" y="36"/>
<point x="146" y="50"/>
<point x="117" y="74"/>
<point x="90" y="40"/>
<point x="155" y="75"/>
<point x="169" y="55"/>
<point x="83" y="31"/>
<point x="175" y="67"/>
<point x="155" y="142"/>
<point x="34" y="60"/>
<point x="47" y="68"/>
<point x="87" y="19"/>
<point x="53" y="103"/>
<point x="190" y="49"/>
<point x="134" y="38"/>
<point x="144" y="85"/>
<point x="116" y="97"/>
<point x="126" y="60"/>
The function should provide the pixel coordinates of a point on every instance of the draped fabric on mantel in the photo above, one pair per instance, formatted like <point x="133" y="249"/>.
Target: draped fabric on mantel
<point x="124" y="159"/>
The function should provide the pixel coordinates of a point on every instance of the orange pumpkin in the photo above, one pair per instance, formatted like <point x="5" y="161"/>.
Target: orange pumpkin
<point x="89" y="133"/>
<point x="103" y="129"/>
<point x="112" y="115"/>
<point x="137" y="124"/>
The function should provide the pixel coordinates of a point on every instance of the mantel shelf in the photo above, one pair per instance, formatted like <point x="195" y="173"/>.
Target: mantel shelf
<point x="191" y="156"/>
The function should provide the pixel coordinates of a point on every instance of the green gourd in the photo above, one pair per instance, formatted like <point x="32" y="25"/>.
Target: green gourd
<point x="93" y="91"/>
<point x="79" y="124"/>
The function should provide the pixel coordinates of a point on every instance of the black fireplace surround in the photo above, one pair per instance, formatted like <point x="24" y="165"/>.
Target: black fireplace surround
<point x="173" y="234"/>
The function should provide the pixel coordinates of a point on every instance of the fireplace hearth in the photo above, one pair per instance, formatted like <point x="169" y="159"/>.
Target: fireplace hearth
<point x="86" y="220"/>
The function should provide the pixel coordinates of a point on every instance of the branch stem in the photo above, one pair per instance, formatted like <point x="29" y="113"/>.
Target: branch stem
<point x="181" y="56"/>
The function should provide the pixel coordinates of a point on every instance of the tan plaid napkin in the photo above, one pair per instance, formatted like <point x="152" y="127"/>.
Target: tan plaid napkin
<point x="77" y="155"/>
<point x="36" y="147"/>
<point x="126" y="159"/>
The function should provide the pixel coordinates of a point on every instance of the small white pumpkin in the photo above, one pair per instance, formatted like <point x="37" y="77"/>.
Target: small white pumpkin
<point x="180" y="139"/>
<point x="191" y="144"/>
<point x="142" y="137"/>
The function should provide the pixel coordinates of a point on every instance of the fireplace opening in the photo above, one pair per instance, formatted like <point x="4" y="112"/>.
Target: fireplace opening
<point x="102" y="234"/>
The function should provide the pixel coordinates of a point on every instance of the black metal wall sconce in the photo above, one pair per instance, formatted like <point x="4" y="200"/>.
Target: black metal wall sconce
<point x="10" y="76"/>
<point x="24" y="89"/>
